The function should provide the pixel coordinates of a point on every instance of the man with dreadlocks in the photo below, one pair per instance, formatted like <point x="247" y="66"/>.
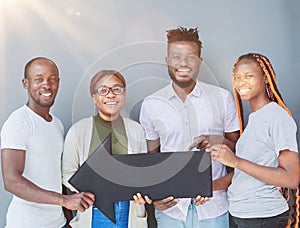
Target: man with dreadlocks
<point x="185" y="110"/>
<point x="266" y="153"/>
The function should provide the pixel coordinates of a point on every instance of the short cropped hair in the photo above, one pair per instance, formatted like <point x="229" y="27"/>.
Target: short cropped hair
<point x="28" y="65"/>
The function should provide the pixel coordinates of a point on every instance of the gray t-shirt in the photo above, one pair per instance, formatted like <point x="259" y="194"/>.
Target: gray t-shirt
<point x="269" y="130"/>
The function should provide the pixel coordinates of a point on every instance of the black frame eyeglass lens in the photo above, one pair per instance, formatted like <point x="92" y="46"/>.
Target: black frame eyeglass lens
<point x="116" y="90"/>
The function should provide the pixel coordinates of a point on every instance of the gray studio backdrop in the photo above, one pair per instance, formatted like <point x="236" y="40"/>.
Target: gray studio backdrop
<point x="86" y="36"/>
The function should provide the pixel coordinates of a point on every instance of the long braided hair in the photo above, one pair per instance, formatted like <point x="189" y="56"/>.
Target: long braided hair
<point x="274" y="95"/>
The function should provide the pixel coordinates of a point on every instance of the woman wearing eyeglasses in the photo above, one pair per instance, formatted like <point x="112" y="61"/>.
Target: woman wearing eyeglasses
<point x="107" y="89"/>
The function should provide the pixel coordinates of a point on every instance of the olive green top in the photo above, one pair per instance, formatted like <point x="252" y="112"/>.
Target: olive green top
<point x="102" y="128"/>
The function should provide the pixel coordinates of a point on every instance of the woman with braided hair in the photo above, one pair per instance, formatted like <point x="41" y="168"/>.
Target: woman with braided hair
<point x="266" y="159"/>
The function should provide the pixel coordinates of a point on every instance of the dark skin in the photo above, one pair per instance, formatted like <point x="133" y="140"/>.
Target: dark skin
<point x="183" y="60"/>
<point x="250" y="82"/>
<point x="67" y="212"/>
<point x="12" y="169"/>
<point x="109" y="114"/>
<point x="42" y="84"/>
<point x="219" y="184"/>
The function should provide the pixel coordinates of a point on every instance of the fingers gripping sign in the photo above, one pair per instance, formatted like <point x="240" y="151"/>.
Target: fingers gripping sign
<point x="138" y="198"/>
<point x="199" y="200"/>
<point x="165" y="203"/>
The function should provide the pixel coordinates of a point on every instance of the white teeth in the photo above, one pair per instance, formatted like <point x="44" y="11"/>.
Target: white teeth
<point x="46" y="94"/>
<point x="183" y="70"/>
<point x="111" y="103"/>
<point x="243" y="90"/>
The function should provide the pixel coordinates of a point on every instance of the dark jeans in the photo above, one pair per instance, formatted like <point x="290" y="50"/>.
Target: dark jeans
<point x="279" y="221"/>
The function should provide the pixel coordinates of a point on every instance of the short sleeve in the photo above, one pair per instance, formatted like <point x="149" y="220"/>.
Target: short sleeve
<point x="145" y="120"/>
<point x="284" y="133"/>
<point x="15" y="133"/>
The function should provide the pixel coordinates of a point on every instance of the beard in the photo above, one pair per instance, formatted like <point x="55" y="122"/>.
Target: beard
<point x="181" y="84"/>
<point x="42" y="103"/>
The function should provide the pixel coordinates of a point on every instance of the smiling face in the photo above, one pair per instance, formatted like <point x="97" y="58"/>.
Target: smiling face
<point x="110" y="105"/>
<point x="183" y="62"/>
<point x="42" y="82"/>
<point x="250" y="83"/>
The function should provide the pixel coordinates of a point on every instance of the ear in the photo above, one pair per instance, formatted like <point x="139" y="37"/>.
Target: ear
<point x="200" y="60"/>
<point x="94" y="99"/>
<point x="25" y="83"/>
<point x="166" y="59"/>
<point x="266" y="80"/>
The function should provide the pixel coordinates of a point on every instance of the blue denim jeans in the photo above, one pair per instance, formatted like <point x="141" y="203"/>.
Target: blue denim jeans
<point x="165" y="221"/>
<point x="279" y="221"/>
<point x="121" y="216"/>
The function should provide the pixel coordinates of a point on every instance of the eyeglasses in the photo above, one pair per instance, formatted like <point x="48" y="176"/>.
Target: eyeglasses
<point x="116" y="90"/>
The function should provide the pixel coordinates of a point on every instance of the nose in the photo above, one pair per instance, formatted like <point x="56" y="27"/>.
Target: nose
<point x="241" y="82"/>
<point x="183" y="61"/>
<point x="110" y="93"/>
<point x="46" y="83"/>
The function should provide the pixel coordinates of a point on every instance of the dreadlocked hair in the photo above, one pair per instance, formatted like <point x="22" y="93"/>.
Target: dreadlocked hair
<point x="184" y="34"/>
<point x="274" y="95"/>
<point x="271" y="87"/>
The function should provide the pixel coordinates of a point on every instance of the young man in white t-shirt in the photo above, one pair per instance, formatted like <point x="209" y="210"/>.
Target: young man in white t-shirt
<point x="31" y="147"/>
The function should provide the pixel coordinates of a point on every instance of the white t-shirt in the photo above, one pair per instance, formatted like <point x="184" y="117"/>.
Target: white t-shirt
<point x="42" y="142"/>
<point x="207" y="110"/>
<point x="269" y="130"/>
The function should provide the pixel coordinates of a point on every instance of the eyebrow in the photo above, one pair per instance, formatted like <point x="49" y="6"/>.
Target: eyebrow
<point x="40" y="75"/>
<point x="112" y="85"/>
